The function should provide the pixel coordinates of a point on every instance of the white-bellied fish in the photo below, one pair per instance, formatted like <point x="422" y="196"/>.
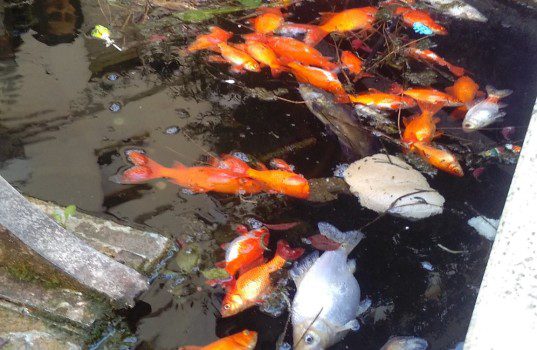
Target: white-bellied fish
<point x="485" y="112"/>
<point x="457" y="9"/>
<point x="327" y="300"/>
<point x="405" y="343"/>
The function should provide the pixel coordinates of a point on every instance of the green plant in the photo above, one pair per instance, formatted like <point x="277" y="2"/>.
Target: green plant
<point x="61" y="217"/>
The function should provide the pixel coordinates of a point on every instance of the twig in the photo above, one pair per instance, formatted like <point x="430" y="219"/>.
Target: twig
<point x="451" y="251"/>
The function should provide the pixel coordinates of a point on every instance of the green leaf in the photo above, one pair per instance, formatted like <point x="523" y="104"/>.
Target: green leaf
<point x="212" y="274"/>
<point x="58" y="218"/>
<point x="250" y="3"/>
<point x="69" y="211"/>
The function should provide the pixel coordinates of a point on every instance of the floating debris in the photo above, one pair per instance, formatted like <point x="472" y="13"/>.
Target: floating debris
<point x="172" y="130"/>
<point x="427" y="265"/>
<point x="484" y="226"/>
<point x="188" y="258"/>
<point x="103" y="33"/>
<point x="115" y="107"/>
<point x="182" y="113"/>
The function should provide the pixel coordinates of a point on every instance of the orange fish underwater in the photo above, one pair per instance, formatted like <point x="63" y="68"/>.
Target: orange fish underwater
<point x="270" y="19"/>
<point x="318" y="77"/>
<point x="465" y="90"/>
<point x="210" y="41"/>
<point x="255" y="284"/>
<point x="412" y="17"/>
<point x="351" y="62"/>
<point x="423" y="127"/>
<point x="265" y="55"/>
<point x="239" y="59"/>
<point x="198" y="179"/>
<point x="439" y="158"/>
<point x="432" y="96"/>
<point x="245" y="340"/>
<point x="246" y="251"/>
<point x="431" y="57"/>
<point x="383" y="100"/>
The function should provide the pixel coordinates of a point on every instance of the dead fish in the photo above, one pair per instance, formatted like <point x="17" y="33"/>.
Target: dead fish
<point x="405" y="343"/>
<point x="354" y="139"/>
<point x="457" y="9"/>
<point x="327" y="300"/>
<point x="485" y="112"/>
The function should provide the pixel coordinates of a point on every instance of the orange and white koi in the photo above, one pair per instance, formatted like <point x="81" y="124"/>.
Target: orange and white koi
<point x="246" y="251"/>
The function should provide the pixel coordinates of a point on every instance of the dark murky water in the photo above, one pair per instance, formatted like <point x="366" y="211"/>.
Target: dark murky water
<point x="64" y="125"/>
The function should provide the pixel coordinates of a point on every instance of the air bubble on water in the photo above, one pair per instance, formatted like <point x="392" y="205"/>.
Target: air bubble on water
<point x="340" y="169"/>
<point x="182" y="113"/>
<point x="254" y="223"/>
<point x="172" y="130"/>
<point x="115" y="107"/>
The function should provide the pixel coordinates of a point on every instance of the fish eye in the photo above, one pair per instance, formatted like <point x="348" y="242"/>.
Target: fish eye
<point x="309" y="339"/>
<point x="467" y="125"/>
<point x="227" y="306"/>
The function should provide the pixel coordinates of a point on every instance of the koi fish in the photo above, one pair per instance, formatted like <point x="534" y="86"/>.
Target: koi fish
<point x="465" y="90"/>
<point x="294" y="50"/>
<point x="239" y="59"/>
<point x="423" y="127"/>
<point x="270" y="19"/>
<point x="245" y="250"/>
<point x="341" y="22"/>
<point x="439" y="158"/>
<point x="318" y="77"/>
<point x="327" y="300"/>
<point x="383" y="100"/>
<point x="199" y="179"/>
<point x="210" y="41"/>
<point x="431" y="57"/>
<point x="264" y="55"/>
<point x="432" y="96"/>
<point x="351" y="62"/>
<point x="418" y="19"/>
<point x="255" y="284"/>
<point x="485" y="112"/>
<point x="245" y="340"/>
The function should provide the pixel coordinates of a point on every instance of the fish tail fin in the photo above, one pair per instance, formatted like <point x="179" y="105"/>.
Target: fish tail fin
<point x="144" y="169"/>
<point x="285" y="251"/>
<point x="430" y="108"/>
<point x="348" y="240"/>
<point x="497" y="94"/>
<point x="456" y="70"/>
<point x="314" y="35"/>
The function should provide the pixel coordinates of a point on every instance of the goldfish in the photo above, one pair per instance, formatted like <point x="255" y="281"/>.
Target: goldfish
<point x="245" y="340"/>
<point x="405" y="343"/>
<point x="270" y="19"/>
<point x="209" y="41"/>
<point x="431" y="57"/>
<point x="246" y="250"/>
<point x="318" y="77"/>
<point x="252" y="286"/>
<point x="382" y="100"/>
<point x="423" y="127"/>
<point x="418" y="18"/>
<point x="198" y="179"/>
<point x="485" y="112"/>
<point x="439" y="158"/>
<point x="351" y="62"/>
<point x="265" y="55"/>
<point x="294" y="50"/>
<point x="432" y="96"/>
<point x="341" y="22"/>
<point x="239" y="59"/>
<point x="327" y="300"/>
<point x="465" y="90"/>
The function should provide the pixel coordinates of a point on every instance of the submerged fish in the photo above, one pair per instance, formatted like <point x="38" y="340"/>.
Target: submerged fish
<point x="356" y="141"/>
<point x="423" y="127"/>
<point x="432" y="57"/>
<point x="433" y="96"/>
<point x="264" y="55"/>
<point x="270" y="19"/>
<point x="439" y="158"/>
<point x="418" y="19"/>
<point x="211" y="40"/>
<point x="245" y="340"/>
<point x="382" y="100"/>
<point x="465" y="90"/>
<point x="351" y="62"/>
<point x="238" y="59"/>
<point x="318" y="77"/>
<point x="405" y="343"/>
<point x="245" y="250"/>
<point x="327" y="300"/>
<point x="485" y="112"/>
<point x="457" y="9"/>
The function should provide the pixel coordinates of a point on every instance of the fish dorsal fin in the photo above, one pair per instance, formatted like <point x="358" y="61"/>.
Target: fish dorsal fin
<point x="492" y="92"/>
<point x="301" y="267"/>
<point x="326" y="16"/>
<point x="178" y="165"/>
<point x="349" y="240"/>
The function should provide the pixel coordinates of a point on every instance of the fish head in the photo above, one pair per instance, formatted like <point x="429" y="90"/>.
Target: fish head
<point x="313" y="336"/>
<point x="232" y="305"/>
<point x="476" y="118"/>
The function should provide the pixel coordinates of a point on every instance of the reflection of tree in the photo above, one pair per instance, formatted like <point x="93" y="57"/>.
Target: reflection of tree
<point x="58" y="21"/>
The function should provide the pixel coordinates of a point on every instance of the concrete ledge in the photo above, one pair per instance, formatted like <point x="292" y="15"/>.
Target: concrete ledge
<point x="505" y="315"/>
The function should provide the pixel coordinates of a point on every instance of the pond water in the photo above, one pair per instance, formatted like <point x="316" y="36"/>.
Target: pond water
<point x="69" y="108"/>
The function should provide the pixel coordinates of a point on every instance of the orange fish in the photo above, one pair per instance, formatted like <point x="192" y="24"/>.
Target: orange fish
<point x="245" y="340"/>
<point x="431" y="57"/>
<point x="465" y="90"/>
<point x="197" y="179"/>
<point x="383" y="100"/>
<point x="265" y="55"/>
<point x="246" y="250"/>
<point x="294" y="50"/>
<point x="239" y="59"/>
<point x="209" y="41"/>
<point x="351" y="62"/>
<point x="423" y="127"/>
<point x="277" y="163"/>
<point x="432" y="96"/>
<point x="439" y="158"/>
<point x="276" y="181"/>
<point x="318" y="77"/>
<point x="255" y="284"/>
<point x="341" y="22"/>
<point x="412" y="17"/>
<point x="270" y="19"/>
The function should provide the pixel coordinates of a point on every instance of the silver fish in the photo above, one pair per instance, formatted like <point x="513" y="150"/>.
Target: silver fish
<point x="354" y="139"/>
<point x="405" y="343"/>
<point x="485" y="112"/>
<point x="327" y="300"/>
<point x="457" y="9"/>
